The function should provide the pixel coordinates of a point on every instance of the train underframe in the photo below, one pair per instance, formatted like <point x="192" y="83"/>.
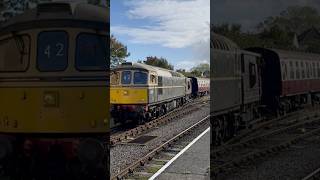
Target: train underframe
<point x="227" y="124"/>
<point x="292" y="103"/>
<point x="53" y="156"/>
<point x="142" y="113"/>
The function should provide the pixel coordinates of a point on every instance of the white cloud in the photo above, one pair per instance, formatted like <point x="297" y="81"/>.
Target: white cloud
<point x="175" y="23"/>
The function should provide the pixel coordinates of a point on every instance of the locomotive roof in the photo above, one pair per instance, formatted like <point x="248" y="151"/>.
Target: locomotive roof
<point x="158" y="70"/>
<point x="60" y="14"/>
<point x="225" y="41"/>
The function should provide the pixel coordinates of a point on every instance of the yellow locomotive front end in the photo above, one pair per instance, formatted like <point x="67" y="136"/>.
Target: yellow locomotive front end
<point x="130" y="90"/>
<point x="54" y="95"/>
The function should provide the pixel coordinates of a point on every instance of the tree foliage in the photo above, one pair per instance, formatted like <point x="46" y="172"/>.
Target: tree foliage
<point x="295" y="19"/>
<point x="276" y="31"/>
<point x="118" y="52"/>
<point x="159" y="62"/>
<point x="201" y="70"/>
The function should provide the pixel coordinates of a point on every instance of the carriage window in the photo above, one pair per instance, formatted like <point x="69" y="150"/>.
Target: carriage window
<point x="302" y="70"/>
<point x="92" y="52"/>
<point x="311" y="70"/>
<point x="297" y="70"/>
<point x="308" y="72"/>
<point x="52" y="51"/>
<point x="283" y="71"/>
<point x="115" y="78"/>
<point x="140" y="78"/>
<point x="14" y="54"/>
<point x="314" y="70"/>
<point x="291" y="70"/>
<point x="126" y="77"/>
<point x="318" y="70"/>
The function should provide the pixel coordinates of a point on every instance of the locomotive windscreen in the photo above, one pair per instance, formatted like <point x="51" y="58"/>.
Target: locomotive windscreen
<point x="92" y="52"/>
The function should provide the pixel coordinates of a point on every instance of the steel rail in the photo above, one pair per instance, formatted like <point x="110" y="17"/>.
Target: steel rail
<point x="275" y="148"/>
<point x="181" y="111"/>
<point x="314" y="175"/>
<point x="151" y="154"/>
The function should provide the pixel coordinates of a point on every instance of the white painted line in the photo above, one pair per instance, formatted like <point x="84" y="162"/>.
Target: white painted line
<point x="179" y="154"/>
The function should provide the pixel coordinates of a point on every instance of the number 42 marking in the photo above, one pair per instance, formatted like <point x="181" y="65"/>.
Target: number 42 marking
<point x="60" y="48"/>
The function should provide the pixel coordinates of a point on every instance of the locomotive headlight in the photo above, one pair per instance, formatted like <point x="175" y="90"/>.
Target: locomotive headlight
<point x="125" y="92"/>
<point x="50" y="99"/>
<point x="90" y="151"/>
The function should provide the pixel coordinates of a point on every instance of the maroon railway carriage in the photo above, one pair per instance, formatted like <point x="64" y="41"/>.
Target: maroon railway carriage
<point x="203" y="85"/>
<point x="289" y="78"/>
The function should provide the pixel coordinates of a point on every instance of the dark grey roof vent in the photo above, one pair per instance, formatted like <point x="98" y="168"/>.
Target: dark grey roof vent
<point x="64" y="8"/>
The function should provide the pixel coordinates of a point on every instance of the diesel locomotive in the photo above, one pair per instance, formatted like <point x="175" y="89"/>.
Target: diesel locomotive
<point x="255" y="82"/>
<point x="53" y="89"/>
<point x="140" y="92"/>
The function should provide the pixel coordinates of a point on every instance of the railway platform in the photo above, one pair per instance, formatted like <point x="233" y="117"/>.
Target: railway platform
<point x="193" y="163"/>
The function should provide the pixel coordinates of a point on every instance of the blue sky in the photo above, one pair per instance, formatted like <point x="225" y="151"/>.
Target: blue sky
<point x="177" y="30"/>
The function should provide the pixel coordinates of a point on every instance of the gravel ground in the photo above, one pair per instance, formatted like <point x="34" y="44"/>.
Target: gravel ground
<point x="123" y="155"/>
<point x="294" y="163"/>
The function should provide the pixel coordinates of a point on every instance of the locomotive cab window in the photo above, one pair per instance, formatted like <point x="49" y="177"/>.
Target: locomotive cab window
<point x="92" y="52"/>
<point x="140" y="77"/>
<point x="14" y="54"/>
<point x="252" y="75"/>
<point x="153" y="79"/>
<point x="52" y="51"/>
<point x="126" y="77"/>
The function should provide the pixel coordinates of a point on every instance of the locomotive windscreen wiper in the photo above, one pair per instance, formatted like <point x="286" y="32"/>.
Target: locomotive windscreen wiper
<point x="20" y="45"/>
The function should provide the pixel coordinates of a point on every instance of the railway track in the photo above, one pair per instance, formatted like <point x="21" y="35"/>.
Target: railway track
<point x="150" y="160"/>
<point x="313" y="176"/>
<point x="263" y="125"/>
<point x="232" y="156"/>
<point x="175" y="114"/>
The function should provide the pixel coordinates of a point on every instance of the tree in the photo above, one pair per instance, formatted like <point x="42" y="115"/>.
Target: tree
<point x="276" y="31"/>
<point x="200" y="69"/>
<point x="118" y="52"/>
<point x="295" y="19"/>
<point x="280" y="31"/>
<point x="184" y="72"/>
<point x="159" y="62"/>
